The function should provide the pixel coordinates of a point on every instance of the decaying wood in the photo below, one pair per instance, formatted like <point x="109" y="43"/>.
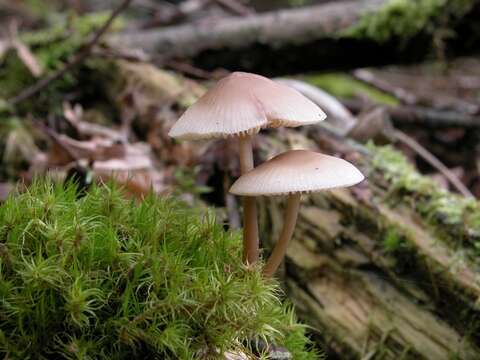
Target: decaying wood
<point x="274" y="30"/>
<point x="419" y="300"/>
<point x="366" y="301"/>
<point x="405" y="115"/>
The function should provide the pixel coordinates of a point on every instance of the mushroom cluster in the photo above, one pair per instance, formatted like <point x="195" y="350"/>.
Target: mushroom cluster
<point x="242" y="104"/>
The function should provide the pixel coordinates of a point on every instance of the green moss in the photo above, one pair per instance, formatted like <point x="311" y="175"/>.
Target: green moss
<point x="393" y="240"/>
<point x="103" y="277"/>
<point x="345" y="86"/>
<point x="454" y="217"/>
<point x="403" y="19"/>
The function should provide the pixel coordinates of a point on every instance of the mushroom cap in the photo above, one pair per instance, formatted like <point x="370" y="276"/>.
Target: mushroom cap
<point x="297" y="171"/>
<point x="243" y="103"/>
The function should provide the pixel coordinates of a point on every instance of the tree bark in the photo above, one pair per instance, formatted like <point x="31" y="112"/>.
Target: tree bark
<point x="278" y="28"/>
<point x="284" y="41"/>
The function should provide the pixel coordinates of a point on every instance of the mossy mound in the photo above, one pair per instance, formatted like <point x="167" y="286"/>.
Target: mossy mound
<point x="105" y="277"/>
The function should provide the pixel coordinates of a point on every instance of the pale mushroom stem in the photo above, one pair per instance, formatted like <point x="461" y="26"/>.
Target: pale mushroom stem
<point x="280" y="249"/>
<point x="250" y="225"/>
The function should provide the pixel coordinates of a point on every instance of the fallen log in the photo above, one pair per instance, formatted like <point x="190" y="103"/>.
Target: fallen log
<point x="302" y="39"/>
<point x="413" y="115"/>
<point x="369" y="270"/>
<point x="386" y="270"/>
<point x="276" y="28"/>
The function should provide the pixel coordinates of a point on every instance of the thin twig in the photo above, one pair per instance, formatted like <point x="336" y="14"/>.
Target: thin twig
<point x="235" y="7"/>
<point x="188" y="69"/>
<point x="55" y="137"/>
<point x="83" y="52"/>
<point x="422" y="116"/>
<point x="434" y="161"/>
<point x="398" y="135"/>
<point x="400" y="94"/>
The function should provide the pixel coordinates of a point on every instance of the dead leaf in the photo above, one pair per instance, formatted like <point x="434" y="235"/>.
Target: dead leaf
<point x="136" y="156"/>
<point x="74" y="115"/>
<point x="28" y="58"/>
<point x="137" y="183"/>
<point x="235" y="356"/>
<point x="23" y="51"/>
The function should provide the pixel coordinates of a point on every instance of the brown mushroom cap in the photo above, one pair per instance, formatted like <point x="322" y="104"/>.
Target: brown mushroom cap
<point x="243" y="103"/>
<point x="297" y="171"/>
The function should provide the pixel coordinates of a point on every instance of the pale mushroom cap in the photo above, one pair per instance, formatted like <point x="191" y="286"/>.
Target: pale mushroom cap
<point x="244" y="103"/>
<point x="297" y="171"/>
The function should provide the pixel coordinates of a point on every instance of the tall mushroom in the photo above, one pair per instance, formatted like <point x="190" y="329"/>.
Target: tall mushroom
<point x="240" y="105"/>
<point x="293" y="173"/>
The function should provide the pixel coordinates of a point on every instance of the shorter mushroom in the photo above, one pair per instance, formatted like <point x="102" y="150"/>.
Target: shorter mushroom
<point x="293" y="173"/>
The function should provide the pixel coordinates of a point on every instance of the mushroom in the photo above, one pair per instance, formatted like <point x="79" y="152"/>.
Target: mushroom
<point x="240" y="105"/>
<point x="293" y="173"/>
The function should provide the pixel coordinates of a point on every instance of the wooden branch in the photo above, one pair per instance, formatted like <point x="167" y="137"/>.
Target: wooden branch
<point x="400" y="94"/>
<point x="434" y="162"/>
<point x="404" y="115"/>
<point x="275" y="28"/>
<point x="77" y="59"/>
<point x="236" y="7"/>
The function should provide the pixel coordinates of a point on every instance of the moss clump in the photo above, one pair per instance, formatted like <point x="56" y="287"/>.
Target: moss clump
<point x="103" y="277"/>
<point x="403" y="19"/>
<point x="454" y="217"/>
<point x="393" y="240"/>
<point x="345" y="86"/>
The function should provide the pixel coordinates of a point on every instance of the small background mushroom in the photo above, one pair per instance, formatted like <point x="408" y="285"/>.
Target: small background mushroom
<point x="293" y="173"/>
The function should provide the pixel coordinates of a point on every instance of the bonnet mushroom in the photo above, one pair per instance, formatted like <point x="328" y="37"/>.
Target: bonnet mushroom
<point x="293" y="173"/>
<point x="240" y="105"/>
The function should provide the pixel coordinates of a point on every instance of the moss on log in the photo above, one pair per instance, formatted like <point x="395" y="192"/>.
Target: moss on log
<point x="372" y="268"/>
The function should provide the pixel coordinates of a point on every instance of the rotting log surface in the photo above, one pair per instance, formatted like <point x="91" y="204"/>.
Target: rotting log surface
<point x="369" y="273"/>
<point x="364" y="267"/>
<point x="301" y="39"/>
<point x="276" y="28"/>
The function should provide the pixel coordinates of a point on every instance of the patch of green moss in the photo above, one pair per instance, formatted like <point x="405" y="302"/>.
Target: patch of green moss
<point x="454" y="217"/>
<point x="403" y="19"/>
<point x="104" y="277"/>
<point x="345" y="86"/>
<point x="393" y="240"/>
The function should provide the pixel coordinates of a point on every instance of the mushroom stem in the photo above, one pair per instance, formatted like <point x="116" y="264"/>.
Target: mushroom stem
<point x="250" y="225"/>
<point x="280" y="249"/>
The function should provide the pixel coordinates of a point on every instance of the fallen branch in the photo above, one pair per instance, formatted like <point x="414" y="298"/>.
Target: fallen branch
<point x="277" y="28"/>
<point x="373" y="277"/>
<point x="400" y="94"/>
<point x="77" y="59"/>
<point x="369" y="126"/>
<point x="417" y="115"/>
<point x="235" y="7"/>
<point x="433" y="161"/>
